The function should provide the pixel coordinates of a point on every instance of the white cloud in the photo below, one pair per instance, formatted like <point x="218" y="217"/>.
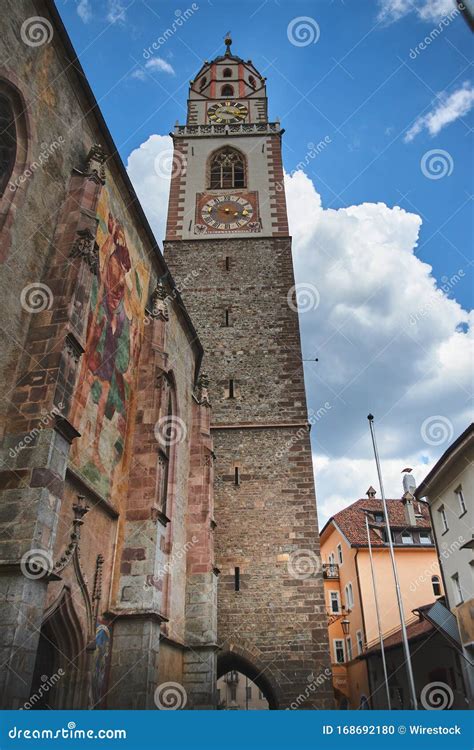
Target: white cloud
<point x="385" y="335"/>
<point x="448" y="109"/>
<point x="426" y="10"/>
<point x="116" y="11"/>
<point x="151" y="187"/>
<point x="386" y="340"/>
<point x="158" y="64"/>
<point x="84" y="10"/>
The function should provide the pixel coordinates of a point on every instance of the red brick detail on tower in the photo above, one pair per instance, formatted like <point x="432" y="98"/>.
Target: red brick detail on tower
<point x="174" y="225"/>
<point x="277" y="194"/>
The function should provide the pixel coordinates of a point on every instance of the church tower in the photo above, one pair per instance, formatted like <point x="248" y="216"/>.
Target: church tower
<point x="229" y="248"/>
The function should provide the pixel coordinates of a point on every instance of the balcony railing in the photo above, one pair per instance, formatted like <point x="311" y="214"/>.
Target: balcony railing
<point x="330" y="570"/>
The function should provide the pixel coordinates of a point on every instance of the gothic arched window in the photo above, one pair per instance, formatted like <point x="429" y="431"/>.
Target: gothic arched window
<point x="227" y="90"/>
<point x="202" y="83"/>
<point x="252" y="82"/>
<point x="227" y="73"/>
<point x="8" y="142"/>
<point x="227" y="169"/>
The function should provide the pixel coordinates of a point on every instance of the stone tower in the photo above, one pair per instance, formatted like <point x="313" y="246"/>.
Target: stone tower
<point x="228" y="245"/>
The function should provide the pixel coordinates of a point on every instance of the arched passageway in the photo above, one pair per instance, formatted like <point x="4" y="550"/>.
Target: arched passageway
<point x="232" y="662"/>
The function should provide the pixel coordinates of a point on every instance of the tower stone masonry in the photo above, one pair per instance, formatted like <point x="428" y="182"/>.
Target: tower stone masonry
<point x="228" y="234"/>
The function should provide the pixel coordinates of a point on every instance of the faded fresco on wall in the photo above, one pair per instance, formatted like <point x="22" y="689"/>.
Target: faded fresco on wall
<point x="104" y="404"/>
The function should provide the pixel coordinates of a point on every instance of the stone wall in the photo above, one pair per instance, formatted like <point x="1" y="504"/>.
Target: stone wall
<point x="95" y="347"/>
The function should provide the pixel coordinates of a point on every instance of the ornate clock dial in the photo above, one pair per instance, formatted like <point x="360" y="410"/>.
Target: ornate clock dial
<point x="227" y="212"/>
<point x="227" y="112"/>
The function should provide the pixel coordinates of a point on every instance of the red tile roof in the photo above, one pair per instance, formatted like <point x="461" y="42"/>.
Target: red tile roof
<point x="351" y="520"/>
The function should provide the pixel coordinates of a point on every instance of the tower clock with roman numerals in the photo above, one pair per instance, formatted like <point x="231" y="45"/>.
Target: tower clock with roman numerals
<point x="227" y="231"/>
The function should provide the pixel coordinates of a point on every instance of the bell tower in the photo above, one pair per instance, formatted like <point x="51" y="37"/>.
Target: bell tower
<point x="228" y="240"/>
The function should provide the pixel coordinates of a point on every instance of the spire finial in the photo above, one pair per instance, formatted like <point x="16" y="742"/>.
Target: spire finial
<point x="228" y="42"/>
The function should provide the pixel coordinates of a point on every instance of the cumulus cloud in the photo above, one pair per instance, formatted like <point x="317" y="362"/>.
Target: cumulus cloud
<point x="448" y="109"/>
<point x="146" y="167"/>
<point x="426" y="10"/>
<point x="389" y="340"/>
<point x="84" y="10"/>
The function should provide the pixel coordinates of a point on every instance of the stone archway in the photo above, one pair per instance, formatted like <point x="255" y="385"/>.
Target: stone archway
<point x="236" y="659"/>
<point x="60" y="673"/>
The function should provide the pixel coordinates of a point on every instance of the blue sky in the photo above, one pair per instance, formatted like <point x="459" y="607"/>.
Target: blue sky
<point x="394" y="287"/>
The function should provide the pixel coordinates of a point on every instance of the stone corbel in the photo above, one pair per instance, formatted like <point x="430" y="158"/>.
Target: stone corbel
<point x="201" y="392"/>
<point x="158" y="303"/>
<point x="86" y="248"/>
<point x="95" y="169"/>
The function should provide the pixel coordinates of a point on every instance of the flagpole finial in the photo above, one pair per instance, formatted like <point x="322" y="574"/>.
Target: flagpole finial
<point x="228" y="42"/>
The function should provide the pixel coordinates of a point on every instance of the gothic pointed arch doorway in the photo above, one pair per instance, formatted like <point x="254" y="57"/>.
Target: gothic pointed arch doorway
<point x="233" y="661"/>
<point x="60" y="674"/>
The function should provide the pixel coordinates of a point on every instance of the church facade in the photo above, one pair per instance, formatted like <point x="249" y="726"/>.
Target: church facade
<point x="150" y="515"/>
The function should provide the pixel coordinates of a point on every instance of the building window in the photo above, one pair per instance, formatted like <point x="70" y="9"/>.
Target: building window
<point x="335" y="602"/>
<point x="435" y="582"/>
<point x="233" y="692"/>
<point x="458" y="597"/>
<point x="360" y="642"/>
<point x="8" y="142"/>
<point x="236" y="579"/>
<point x="378" y="517"/>
<point x="227" y="318"/>
<point x="339" y="554"/>
<point x="339" y="657"/>
<point x="252" y="82"/>
<point x="349" y="596"/>
<point x="331" y="558"/>
<point x="236" y="476"/>
<point x="248" y="693"/>
<point x="231" y="388"/>
<point x="462" y="504"/>
<point x="227" y="263"/>
<point x="227" y="169"/>
<point x="349" y="648"/>
<point x="425" y="537"/>
<point x="227" y="90"/>
<point x="407" y="537"/>
<point x="202" y="82"/>
<point x="444" y="519"/>
<point x="227" y="73"/>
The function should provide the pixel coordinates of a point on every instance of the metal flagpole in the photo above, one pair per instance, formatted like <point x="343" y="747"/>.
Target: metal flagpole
<point x="406" y="647"/>
<point x="382" y="649"/>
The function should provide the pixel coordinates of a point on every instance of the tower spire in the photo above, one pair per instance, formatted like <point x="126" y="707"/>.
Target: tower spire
<point x="228" y="42"/>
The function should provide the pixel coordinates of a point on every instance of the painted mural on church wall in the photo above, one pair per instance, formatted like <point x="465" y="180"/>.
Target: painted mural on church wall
<point x="104" y="404"/>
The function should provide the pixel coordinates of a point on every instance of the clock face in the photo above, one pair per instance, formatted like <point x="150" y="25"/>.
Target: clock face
<point x="227" y="112"/>
<point x="227" y="212"/>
